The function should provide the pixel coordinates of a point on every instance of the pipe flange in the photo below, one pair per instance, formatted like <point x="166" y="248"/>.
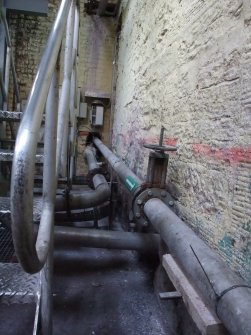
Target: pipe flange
<point x="140" y="200"/>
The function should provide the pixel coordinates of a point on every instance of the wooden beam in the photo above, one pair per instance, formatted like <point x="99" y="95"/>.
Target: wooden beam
<point x="204" y="318"/>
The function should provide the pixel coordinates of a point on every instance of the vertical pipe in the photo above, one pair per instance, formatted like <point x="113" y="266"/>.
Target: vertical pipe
<point x="2" y="86"/>
<point x="12" y="64"/>
<point x="49" y="191"/>
<point x="73" y="99"/>
<point x="64" y="103"/>
<point x="7" y="76"/>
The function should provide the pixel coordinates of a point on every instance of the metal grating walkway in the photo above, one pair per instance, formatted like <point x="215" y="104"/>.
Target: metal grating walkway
<point x="6" y="244"/>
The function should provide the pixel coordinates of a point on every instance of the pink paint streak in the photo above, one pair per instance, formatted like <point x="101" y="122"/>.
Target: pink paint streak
<point x="232" y="155"/>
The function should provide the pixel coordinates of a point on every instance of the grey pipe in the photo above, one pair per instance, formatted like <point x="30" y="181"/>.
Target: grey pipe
<point x="233" y="307"/>
<point x="64" y="102"/>
<point x="2" y="87"/>
<point x="23" y="167"/>
<point x="86" y="199"/>
<point x="83" y="237"/>
<point x="90" y="156"/>
<point x="129" y="179"/>
<point x="73" y="97"/>
<point x="49" y="194"/>
<point x="11" y="58"/>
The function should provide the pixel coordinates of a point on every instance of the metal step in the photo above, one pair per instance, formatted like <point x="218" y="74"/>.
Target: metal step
<point x="7" y="156"/>
<point x="5" y="209"/>
<point x="13" y="116"/>
<point x="17" y="286"/>
<point x="20" y="295"/>
<point x="10" y="116"/>
<point x="11" y="142"/>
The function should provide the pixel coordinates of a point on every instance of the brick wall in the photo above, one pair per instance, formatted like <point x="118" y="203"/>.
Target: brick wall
<point x="186" y="65"/>
<point x="28" y="36"/>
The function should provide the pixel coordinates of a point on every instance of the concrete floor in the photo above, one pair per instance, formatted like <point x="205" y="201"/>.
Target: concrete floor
<point x="101" y="292"/>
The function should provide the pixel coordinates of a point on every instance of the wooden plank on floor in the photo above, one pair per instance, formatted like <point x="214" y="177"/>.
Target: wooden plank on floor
<point x="205" y="319"/>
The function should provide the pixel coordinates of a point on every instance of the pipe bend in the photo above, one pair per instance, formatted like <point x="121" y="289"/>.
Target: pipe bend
<point x="87" y="199"/>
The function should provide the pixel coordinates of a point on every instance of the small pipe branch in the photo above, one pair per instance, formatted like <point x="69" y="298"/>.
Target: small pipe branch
<point x="94" y="238"/>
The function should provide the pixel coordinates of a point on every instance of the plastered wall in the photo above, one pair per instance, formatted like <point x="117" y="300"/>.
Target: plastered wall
<point x="96" y="52"/>
<point x="186" y="65"/>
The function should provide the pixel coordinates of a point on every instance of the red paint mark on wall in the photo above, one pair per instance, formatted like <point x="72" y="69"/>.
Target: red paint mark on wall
<point x="83" y="133"/>
<point x="231" y="155"/>
<point x="170" y="141"/>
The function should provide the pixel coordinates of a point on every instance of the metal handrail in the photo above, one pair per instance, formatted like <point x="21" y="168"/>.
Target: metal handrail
<point x="32" y="256"/>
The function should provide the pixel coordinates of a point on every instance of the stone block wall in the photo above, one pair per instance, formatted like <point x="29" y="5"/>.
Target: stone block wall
<point x="29" y="34"/>
<point x="94" y="76"/>
<point x="186" y="65"/>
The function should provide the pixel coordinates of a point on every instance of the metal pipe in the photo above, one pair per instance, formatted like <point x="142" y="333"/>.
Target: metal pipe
<point x="86" y="199"/>
<point x="73" y="99"/>
<point x="49" y="194"/>
<point x="12" y="64"/>
<point x="2" y="87"/>
<point x="129" y="179"/>
<point x="7" y="75"/>
<point x="64" y="103"/>
<point x="223" y="289"/>
<point x="23" y="167"/>
<point x="82" y="237"/>
<point x="90" y="156"/>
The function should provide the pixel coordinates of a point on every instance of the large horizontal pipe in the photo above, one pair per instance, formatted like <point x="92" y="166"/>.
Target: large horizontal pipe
<point x="226" y="291"/>
<point x="82" y="237"/>
<point x="86" y="199"/>
<point x="129" y="179"/>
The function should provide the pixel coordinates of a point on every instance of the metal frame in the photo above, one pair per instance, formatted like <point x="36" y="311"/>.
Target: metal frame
<point x="33" y="256"/>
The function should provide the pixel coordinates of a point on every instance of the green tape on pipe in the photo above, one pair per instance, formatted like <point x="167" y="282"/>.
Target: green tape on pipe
<point x="131" y="184"/>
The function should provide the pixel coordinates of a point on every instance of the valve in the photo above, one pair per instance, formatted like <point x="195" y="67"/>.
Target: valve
<point x="160" y="147"/>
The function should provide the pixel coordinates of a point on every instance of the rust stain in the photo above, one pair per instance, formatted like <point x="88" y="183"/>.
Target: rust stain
<point x="232" y="155"/>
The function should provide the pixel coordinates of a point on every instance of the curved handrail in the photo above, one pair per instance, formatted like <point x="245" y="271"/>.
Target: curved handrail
<point x="33" y="256"/>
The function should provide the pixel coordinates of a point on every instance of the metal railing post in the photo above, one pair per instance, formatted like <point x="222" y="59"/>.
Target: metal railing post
<point x="10" y="60"/>
<point x="64" y="102"/>
<point x="49" y="190"/>
<point x="73" y="99"/>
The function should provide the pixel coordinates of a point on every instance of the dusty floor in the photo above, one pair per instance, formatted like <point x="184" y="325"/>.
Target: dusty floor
<point x="99" y="292"/>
